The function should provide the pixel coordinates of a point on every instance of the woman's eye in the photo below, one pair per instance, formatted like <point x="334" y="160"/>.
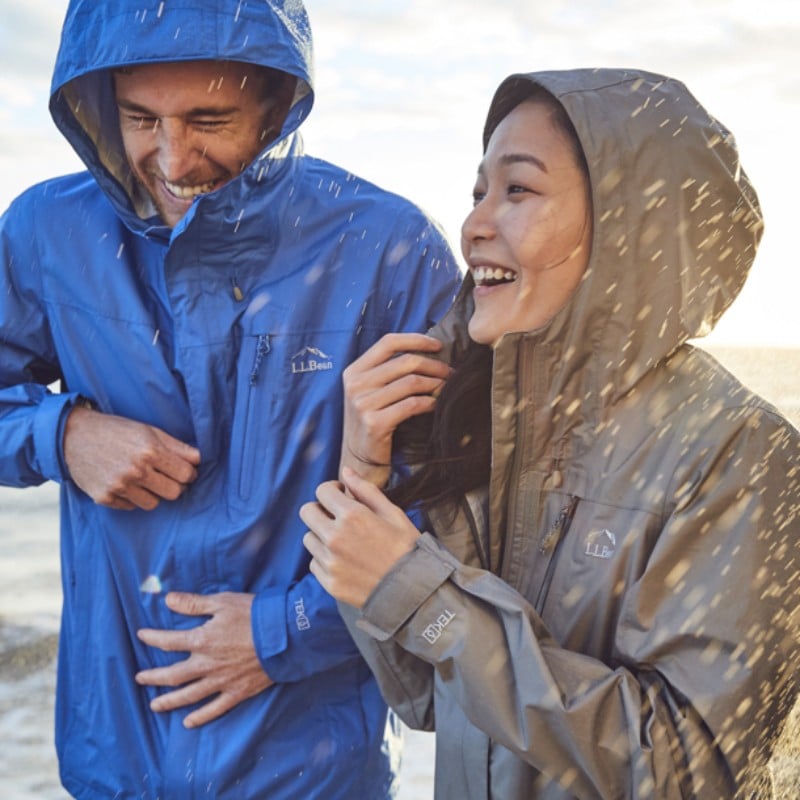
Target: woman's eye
<point x="477" y="196"/>
<point x="515" y="188"/>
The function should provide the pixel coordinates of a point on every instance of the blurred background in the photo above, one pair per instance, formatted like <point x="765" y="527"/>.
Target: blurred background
<point x="402" y="90"/>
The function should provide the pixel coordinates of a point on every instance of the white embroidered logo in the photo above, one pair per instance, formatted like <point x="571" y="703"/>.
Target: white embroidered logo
<point x="303" y="622"/>
<point x="434" y="630"/>
<point x="601" y="544"/>
<point x="311" y="359"/>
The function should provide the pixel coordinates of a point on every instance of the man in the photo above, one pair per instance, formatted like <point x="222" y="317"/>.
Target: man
<point x="196" y="294"/>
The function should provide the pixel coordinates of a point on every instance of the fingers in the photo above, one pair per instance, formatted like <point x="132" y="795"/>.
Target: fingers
<point x="185" y="696"/>
<point x="393" y="343"/>
<point x="170" y="640"/>
<point x="191" y="694"/>
<point x="193" y="605"/>
<point x="407" y="390"/>
<point x="315" y="515"/>
<point x="400" y="375"/>
<point x="188" y="693"/>
<point x="397" y="359"/>
<point x="176" y="459"/>
<point x="174" y="675"/>
<point x="332" y="503"/>
<point x="212" y="710"/>
<point x="367" y="493"/>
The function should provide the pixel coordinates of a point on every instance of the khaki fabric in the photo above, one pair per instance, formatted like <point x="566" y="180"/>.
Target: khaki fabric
<point x="616" y="615"/>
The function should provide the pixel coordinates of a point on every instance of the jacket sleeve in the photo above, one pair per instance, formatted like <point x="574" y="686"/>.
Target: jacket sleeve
<point x="31" y="415"/>
<point x="423" y="277"/>
<point x="298" y="630"/>
<point x="705" y="647"/>
<point x="406" y="681"/>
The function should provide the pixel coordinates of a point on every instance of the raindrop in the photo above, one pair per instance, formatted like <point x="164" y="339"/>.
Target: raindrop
<point x="152" y="585"/>
<point x="314" y="274"/>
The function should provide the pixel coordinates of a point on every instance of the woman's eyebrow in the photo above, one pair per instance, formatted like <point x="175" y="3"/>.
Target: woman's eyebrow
<point x="517" y="158"/>
<point x="525" y="158"/>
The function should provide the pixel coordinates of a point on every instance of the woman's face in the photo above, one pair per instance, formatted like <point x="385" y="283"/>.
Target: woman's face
<point x="528" y="237"/>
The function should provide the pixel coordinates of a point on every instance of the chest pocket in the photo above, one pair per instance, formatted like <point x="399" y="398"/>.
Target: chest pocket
<point x="601" y="553"/>
<point x="288" y="406"/>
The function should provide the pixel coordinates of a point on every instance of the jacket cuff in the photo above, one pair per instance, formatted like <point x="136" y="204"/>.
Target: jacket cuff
<point x="48" y="435"/>
<point x="268" y="623"/>
<point x="415" y="577"/>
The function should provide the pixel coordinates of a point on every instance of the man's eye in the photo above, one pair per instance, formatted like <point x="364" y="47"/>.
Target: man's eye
<point x="209" y="124"/>
<point x="141" y="121"/>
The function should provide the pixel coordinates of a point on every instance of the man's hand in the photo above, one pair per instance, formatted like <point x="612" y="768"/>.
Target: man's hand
<point x="391" y="382"/>
<point x="125" y="464"/>
<point x="222" y="657"/>
<point x="356" y="535"/>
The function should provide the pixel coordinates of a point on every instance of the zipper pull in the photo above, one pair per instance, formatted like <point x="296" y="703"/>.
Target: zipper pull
<point x="557" y="528"/>
<point x="238" y="294"/>
<point x="262" y="348"/>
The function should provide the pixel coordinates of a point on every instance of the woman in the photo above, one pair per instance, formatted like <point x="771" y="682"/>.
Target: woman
<point x="605" y="600"/>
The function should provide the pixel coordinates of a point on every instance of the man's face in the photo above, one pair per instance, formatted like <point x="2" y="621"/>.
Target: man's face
<point x="190" y="127"/>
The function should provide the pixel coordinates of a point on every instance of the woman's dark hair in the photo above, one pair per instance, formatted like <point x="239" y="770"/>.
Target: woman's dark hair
<point x="450" y="450"/>
<point x="519" y="88"/>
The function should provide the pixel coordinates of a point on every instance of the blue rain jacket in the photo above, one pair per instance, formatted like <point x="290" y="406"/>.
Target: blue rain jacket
<point x="229" y="332"/>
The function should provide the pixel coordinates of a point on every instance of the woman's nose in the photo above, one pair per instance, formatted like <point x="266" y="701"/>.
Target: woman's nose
<point x="478" y="224"/>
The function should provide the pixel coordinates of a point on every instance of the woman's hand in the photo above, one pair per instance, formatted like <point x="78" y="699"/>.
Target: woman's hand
<point x="355" y="538"/>
<point x="391" y="382"/>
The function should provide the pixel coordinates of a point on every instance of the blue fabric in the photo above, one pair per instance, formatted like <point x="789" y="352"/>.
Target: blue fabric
<point x="144" y="321"/>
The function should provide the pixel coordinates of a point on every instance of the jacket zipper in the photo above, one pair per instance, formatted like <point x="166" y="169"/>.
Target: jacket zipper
<point x="476" y="534"/>
<point x="262" y="348"/>
<point x="236" y="290"/>
<point x="551" y="543"/>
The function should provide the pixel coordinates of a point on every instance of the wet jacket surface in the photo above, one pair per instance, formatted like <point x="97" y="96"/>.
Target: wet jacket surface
<point x="229" y="332"/>
<point x="616" y="616"/>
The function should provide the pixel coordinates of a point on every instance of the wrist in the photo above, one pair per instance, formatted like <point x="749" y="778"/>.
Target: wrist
<point x="376" y="474"/>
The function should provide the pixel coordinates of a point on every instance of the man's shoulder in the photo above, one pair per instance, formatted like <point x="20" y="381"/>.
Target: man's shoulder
<point x="332" y="178"/>
<point x="54" y="191"/>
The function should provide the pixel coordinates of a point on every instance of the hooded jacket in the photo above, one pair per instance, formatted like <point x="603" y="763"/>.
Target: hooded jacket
<point x="616" y="615"/>
<point x="230" y="332"/>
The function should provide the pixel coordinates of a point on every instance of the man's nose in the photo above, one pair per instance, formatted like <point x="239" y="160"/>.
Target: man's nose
<point x="177" y="154"/>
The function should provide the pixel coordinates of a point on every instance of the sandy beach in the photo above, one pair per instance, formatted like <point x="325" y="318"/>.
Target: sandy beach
<point x="30" y="599"/>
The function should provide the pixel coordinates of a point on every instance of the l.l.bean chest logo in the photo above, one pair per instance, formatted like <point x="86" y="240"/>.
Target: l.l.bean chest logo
<point x="311" y="359"/>
<point x="601" y="544"/>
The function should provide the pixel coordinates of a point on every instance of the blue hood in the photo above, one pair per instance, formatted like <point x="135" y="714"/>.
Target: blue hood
<point x="98" y="37"/>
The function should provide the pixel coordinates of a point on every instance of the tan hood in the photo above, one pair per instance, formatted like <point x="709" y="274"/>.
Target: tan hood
<point x="676" y="226"/>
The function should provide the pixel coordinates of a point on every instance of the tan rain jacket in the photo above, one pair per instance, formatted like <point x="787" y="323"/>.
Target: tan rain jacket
<point x="617" y="617"/>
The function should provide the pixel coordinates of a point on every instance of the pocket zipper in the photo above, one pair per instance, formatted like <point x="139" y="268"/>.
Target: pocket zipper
<point x="550" y="543"/>
<point x="262" y="348"/>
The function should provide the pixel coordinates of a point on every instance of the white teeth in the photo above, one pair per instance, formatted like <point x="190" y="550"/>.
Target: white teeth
<point x="482" y="274"/>
<point x="188" y="192"/>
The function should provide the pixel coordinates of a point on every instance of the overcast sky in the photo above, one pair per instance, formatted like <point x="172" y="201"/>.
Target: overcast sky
<point x="403" y="86"/>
